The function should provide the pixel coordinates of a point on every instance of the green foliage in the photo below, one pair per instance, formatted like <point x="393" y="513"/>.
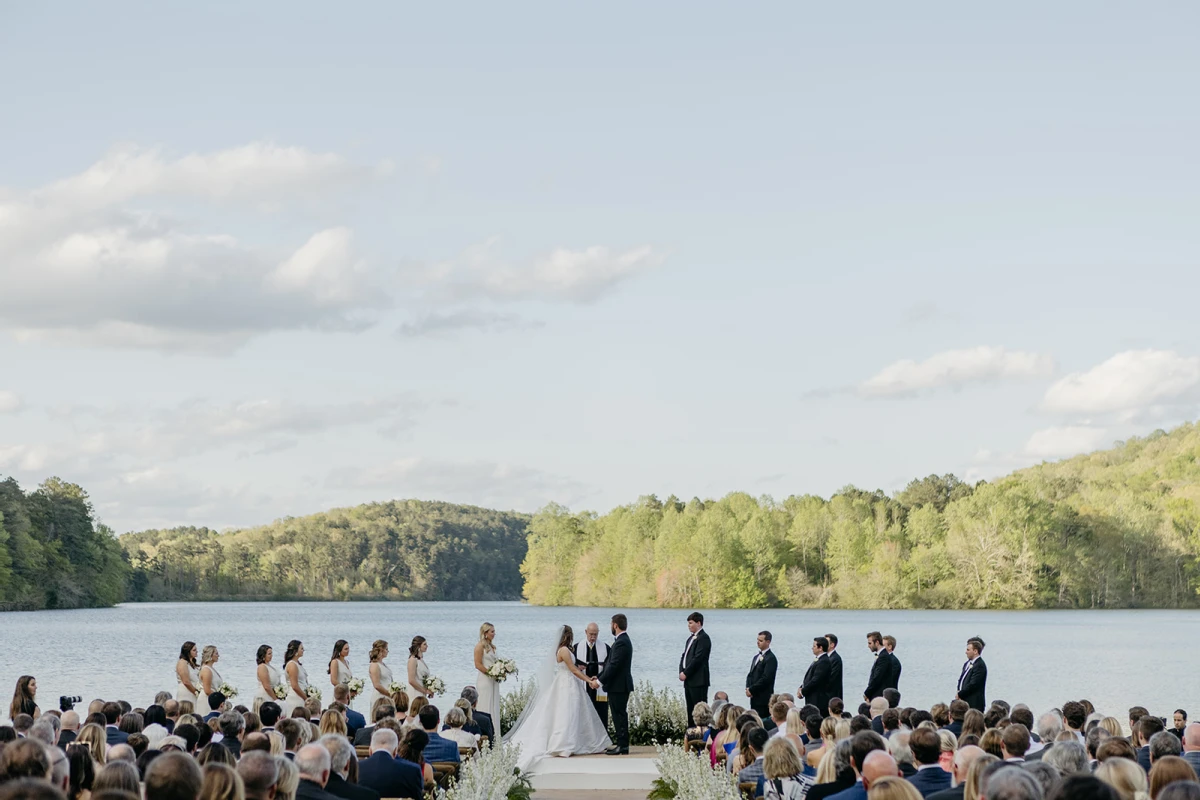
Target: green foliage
<point x="513" y="703"/>
<point x="402" y="550"/>
<point x="1113" y="529"/>
<point x="656" y="716"/>
<point x="52" y="553"/>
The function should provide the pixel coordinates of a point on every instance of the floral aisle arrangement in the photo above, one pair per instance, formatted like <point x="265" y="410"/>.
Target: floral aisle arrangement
<point x="656" y="716"/>
<point x="513" y="703"/>
<point x="228" y="690"/>
<point x="490" y="775"/>
<point x="682" y="776"/>
<point x="434" y="684"/>
<point x="502" y="669"/>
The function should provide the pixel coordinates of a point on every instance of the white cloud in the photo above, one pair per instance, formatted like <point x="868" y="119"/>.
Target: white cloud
<point x="955" y="368"/>
<point x="9" y="401"/>
<point x="576" y="276"/>
<point x="1065" y="441"/>
<point x="442" y="325"/>
<point x="1131" y="385"/>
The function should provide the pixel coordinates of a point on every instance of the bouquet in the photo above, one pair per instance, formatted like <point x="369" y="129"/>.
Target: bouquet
<point x="396" y="686"/>
<point x="312" y="693"/>
<point x="355" y="685"/>
<point x="230" y="692"/>
<point x="502" y="669"/>
<point x="434" y="684"/>
<point x="281" y="691"/>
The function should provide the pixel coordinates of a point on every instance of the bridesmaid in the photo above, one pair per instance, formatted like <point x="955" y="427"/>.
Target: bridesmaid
<point x="339" y="667"/>
<point x="297" y="675"/>
<point x="210" y="679"/>
<point x="379" y="678"/>
<point x="186" y="670"/>
<point x="268" y="677"/>
<point x="486" y="685"/>
<point x="417" y="671"/>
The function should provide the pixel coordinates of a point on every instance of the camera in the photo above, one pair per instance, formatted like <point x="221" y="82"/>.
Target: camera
<point x="66" y="702"/>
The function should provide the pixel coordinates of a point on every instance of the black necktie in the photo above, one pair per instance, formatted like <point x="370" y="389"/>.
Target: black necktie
<point x="592" y="662"/>
<point x="966" y="666"/>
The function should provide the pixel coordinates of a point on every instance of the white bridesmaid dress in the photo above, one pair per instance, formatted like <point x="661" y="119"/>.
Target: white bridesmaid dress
<point x="276" y="678"/>
<point x="181" y="692"/>
<point x="489" y="692"/>
<point x="342" y="675"/>
<point x="370" y="694"/>
<point x="216" y="684"/>
<point x="422" y="674"/>
<point x="294" y="700"/>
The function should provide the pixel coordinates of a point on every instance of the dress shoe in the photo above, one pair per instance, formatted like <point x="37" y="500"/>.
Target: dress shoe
<point x="615" y="751"/>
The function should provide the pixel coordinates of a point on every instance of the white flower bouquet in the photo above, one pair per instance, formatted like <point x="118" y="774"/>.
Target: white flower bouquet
<point x="355" y="685"/>
<point x="229" y="691"/>
<point x="434" y="684"/>
<point x="312" y="693"/>
<point x="281" y="691"/>
<point x="502" y="669"/>
<point x="396" y="686"/>
<point x="685" y="777"/>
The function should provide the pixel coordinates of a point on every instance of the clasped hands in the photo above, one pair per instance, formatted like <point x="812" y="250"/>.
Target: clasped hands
<point x="594" y="683"/>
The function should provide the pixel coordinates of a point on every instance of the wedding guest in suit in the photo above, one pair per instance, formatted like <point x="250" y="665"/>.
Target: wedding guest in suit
<point x="836" y="686"/>
<point x="926" y="750"/>
<point x="964" y="757"/>
<point x="481" y="719"/>
<point x="972" y="683"/>
<point x="314" y="764"/>
<point x="889" y="642"/>
<point x="258" y="772"/>
<point x="439" y="748"/>
<point x="817" y="679"/>
<point x="386" y="774"/>
<point x="590" y="655"/>
<point x="340" y="754"/>
<point x="760" y="681"/>
<point x="112" y="718"/>
<point x="383" y="710"/>
<point x="693" y="665"/>
<point x="617" y="679"/>
<point x="881" y="670"/>
<point x="70" y="726"/>
<point x="354" y="720"/>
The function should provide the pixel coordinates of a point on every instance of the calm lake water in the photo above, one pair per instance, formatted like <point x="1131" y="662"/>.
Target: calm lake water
<point x="1114" y="658"/>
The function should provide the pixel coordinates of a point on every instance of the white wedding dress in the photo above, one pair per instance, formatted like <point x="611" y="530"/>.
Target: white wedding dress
<point x="559" y="721"/>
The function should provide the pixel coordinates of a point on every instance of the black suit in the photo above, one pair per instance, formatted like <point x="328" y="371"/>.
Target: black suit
<point x="591" y="666"/>
<point x="820" y="791"/>
<point x="894" y="674"/>
<point x="391" y="777"/>
<point x="835" y="677"/>
<point x="617" y="680"/>
<point x="815" y="688"/>
<point x="65" y="738"/>
<point x="311" y="790"/>
<point x="693" y="663"/>
<point x="761" y="682"/>
<point x="234" y="746"/>
<point x="953" y="793"/>
<point x="484" y="721"/>
<point x="340" y="787"/>
<point x="972" y="685"/>
<point x="881" y="673"/>
<point x="362" y="737"/>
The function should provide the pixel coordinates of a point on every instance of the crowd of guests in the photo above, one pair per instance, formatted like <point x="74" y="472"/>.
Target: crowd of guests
<point x="887" y="751"/>
<point x="171" y="751"/>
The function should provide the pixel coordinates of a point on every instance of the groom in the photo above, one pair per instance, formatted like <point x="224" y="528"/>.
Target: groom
<point x="617" y="679"/>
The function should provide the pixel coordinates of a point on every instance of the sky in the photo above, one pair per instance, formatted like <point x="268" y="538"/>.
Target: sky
<point x="260" y="260"/>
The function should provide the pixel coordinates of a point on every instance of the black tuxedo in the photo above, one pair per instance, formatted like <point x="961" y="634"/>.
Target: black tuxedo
<point x="881" y="673"/>
<point x="590" y="664"/>
<point x="340" y="787"/>
<point x="617" y="679"/>
<point x="835" y="678"/>
<point x="972" y="685"/>
<point x="693" y="663"/>
<point x="894" y="674"/>
<point x="761" y="682"/>
<point x="815" y="688"/>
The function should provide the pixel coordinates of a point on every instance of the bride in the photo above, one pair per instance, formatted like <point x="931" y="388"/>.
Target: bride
<point x="560" y="719"/>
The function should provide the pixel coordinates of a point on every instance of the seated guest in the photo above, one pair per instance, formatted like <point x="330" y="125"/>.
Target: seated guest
<point x="1163" y="744"/>
<point x="438" y="749"/>
<point x="293" y="730"/>
<point x="469" y="715"/>
<point x="313" y="762"/>
<point x="382" y="709"/>
<point x="783" y="775"/>
<point x="354" y="720"/>
<point x="1168" y="770"/>
<point x="756" y="740"/>
<point x="1014" y="741"/>
<point x="232" y="726"/>
<point x="258" y="772"/>
<point x="112" y="720"/>
<point x="341" y="752"/>
<point x="269" y="713"/>
<point x="256" y="741"/>
<point x="897" y="745"/>
<point x="701" y="716"/>
<point x="1125" y="776"/>
<point x="1147" y="726"/>
<point x="215" y="701"/>
<point x="878" y="706"/>
<point x="412" y="748"/>
<point x="173" y="776"/>
<point x="926" y="749"/>
<point x="453" y="730"/>
<point x="382" y="772"/>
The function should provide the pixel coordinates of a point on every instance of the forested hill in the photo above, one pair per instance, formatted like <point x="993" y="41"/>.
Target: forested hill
<point x="400" y="550"/>
<point x="1113" y="529"/>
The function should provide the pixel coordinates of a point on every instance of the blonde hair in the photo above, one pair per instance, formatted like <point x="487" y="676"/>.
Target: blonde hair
<point x="221" y="782"/>
<point x="991" y="741"/>
<point x="289" y="779"/>
<point x="377" y="648"/>
<point x="206" y="655"/>
<point x="828" y="729"/>
<point x="780" y="759"/>
<point x="186" y="707"/>
<point x="975" y="775"/>
<point x="95" y="739"/>
<point x="1127" y="777"/>
<point x="333" y="722"/>
<point x="949" y="741"/>
<point x="827" y="769"/>
<point x="483" y="629"/>
<point x="841" y="732"/>
<point x="277" y="742"/>
<point x="892" y="789"/>
<point x="1112" y="725"/>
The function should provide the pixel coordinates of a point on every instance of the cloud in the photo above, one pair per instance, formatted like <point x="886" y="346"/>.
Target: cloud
<point x="9" y="401"/>
<point x="1065" y="441"/>
<point x="443" y="325"/>
<point x="955" y="368"/>
<point x="1133" y="385"/>
<point x="83" y="259"/>
<point x="563" y="275"/>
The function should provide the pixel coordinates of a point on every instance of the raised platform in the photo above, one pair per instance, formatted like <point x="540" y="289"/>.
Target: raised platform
<point x="634" y="772"/>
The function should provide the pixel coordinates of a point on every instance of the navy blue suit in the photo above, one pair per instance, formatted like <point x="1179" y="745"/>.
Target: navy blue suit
<point x="855" y="792"/>
<point x="928" y="781"/>
<point x="391" y="777"/>
<point x="355" y="722"/>
<point x="440" y="749"/>
<point x="115" y="736"/>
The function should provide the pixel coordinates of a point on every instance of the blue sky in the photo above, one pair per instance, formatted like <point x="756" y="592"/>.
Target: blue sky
<point x="264" y="262"/>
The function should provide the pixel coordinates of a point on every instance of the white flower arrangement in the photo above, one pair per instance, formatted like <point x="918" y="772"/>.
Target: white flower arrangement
<point x="312" y="693"/>
<point x="434" y="684"/>
<point x="396" y="686"/>
<point x="685" y="777"/>
<point x="502" y="669"/>
<point x="281" y="691"/>
<point x="490" y="775"/>
<point x="355" y="685"/>
<point x="229" y="691"/>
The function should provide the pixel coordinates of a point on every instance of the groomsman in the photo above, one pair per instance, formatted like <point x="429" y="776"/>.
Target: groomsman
<point x="816" y="686"/>
<point x="972" y="683"/>
<point x="590" y="656"/>
<point x="835" y="668"/>
<point x="760" y="681"/>
<point x="889" y="642"/>
<point x="693" y="665"/>
<point x="881" y="670"/>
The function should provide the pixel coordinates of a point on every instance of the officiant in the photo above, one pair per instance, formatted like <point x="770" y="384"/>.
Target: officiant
<point x="590" y="655"/>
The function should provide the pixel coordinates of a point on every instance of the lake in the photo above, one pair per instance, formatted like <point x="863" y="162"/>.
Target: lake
<point x="1116" y="659"/>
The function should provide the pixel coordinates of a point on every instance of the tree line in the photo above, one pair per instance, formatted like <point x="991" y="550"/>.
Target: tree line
<point x="1113" y="529"/>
